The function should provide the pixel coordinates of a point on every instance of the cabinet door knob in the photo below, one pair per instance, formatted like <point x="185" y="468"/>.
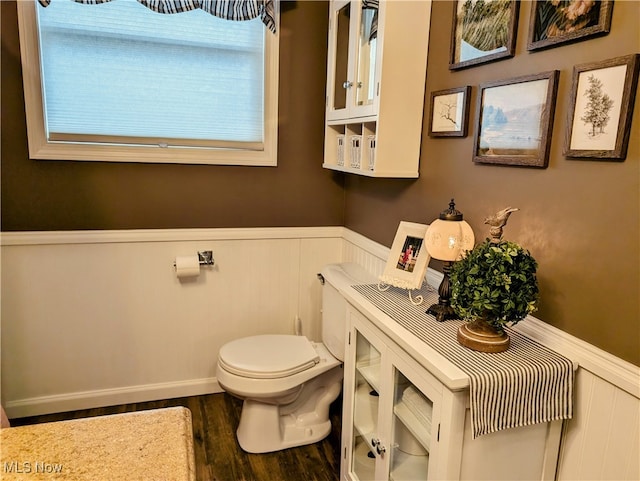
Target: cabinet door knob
<point x="376" y="443"/>
<point x="347" y="84"/>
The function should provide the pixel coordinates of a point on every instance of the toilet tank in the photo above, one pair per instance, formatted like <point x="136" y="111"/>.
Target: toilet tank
<point x="337" y="278"/>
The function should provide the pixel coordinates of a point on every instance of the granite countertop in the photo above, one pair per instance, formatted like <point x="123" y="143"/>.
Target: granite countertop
<point x="146" y="445"/>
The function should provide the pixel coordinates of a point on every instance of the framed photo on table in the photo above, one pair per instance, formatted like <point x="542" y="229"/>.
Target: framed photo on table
<point x="482" y="32"/>
<point x="514" y="120"/>
<point x="555" y="23"/>
<point x="449" y="111"/>
<point x="602" y="98"/>
<point x="408" y="260"/>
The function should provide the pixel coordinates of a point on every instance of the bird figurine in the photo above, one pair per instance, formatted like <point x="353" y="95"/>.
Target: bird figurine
<point x="497" y="222"/>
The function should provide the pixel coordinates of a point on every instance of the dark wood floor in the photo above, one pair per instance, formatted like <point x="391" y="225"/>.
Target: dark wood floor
<point x="218" y="456"/>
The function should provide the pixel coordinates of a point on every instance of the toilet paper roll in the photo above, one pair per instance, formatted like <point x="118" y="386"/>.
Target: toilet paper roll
<point x="187" y="266"/>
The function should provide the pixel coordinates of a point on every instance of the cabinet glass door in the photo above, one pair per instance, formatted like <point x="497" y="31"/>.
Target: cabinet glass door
<point x="366" y="65"/>
<point x="411" y="430"/>
<point x="365" y="415"/>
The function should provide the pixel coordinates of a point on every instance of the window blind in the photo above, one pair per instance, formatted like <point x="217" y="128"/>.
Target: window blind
<point x="120" y="72"/>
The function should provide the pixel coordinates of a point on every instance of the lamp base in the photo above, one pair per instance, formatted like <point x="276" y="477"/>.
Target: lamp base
<point x="442" y="312"/>
<point x="479" y="335"/>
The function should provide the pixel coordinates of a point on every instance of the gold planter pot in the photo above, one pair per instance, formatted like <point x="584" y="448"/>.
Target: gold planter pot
<point x="481" y="336"/>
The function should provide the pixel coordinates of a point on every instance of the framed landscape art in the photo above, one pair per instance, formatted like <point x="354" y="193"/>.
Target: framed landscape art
<point x="483" y="31"/>
<point x="602" y="98"/>
<point x="514" y="120"/>
<point x="449" y="111"/>
<point x="553" y="23"/>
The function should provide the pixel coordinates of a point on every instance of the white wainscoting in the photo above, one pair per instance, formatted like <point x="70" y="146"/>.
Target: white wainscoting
<point x="98" y="318"/>
<point x="602" y="441"/>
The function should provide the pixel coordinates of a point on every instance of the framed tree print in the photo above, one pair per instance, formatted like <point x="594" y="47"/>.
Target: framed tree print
<point x="514" y="120"/>
<point x="602" y="98"/>
<point x="449" y="111"/>
<point x="483" y="31"/>
<point x="553" y="23"/>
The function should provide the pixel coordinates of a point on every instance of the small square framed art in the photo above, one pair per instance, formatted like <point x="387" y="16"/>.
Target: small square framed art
<point x="449" y="111"/>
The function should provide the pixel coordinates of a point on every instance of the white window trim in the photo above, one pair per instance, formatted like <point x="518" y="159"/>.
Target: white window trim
<point x="41" y="148"/>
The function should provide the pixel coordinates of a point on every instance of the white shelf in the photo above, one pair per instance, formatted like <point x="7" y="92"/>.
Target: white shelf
<point x="371" y="118"/>
<point x="416" y="426"/>
<point x="375" y="173"/>
<point x="371" y="373"/>
<point x="407" y="467"/>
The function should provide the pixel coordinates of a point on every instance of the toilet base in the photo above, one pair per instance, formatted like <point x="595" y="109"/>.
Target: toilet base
<point x="266" y="427"/>
<point x="273" y="432"/>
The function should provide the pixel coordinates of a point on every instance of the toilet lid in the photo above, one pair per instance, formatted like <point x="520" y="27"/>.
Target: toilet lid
<point x="268" y="356"/>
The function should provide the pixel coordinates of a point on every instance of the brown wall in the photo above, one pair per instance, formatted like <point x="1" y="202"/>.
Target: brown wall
<point x="51" y="195"/>
<point x="580" y="219"/>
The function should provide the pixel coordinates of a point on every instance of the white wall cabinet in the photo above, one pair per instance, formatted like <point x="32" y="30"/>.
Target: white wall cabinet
<point x="400" y="422"/>
<point x="376" y="77"/>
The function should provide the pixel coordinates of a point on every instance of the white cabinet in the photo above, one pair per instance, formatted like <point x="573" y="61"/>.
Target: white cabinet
<point x="376" y="76"/>
<point x="400" y="422"/>
<point x="353" y="41"/>
<point x="395" y="409"/>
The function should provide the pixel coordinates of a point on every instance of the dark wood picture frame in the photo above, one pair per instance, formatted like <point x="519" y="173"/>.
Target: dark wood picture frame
<point x="601" y="110"/>
<point x="490" y="33"/>
<point x="514" y="120"/>
<point x="449" y="112"/>
<point x="552" y="25"/>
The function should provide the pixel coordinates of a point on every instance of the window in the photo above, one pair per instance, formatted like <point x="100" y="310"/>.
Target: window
<point x="120" y="82"/>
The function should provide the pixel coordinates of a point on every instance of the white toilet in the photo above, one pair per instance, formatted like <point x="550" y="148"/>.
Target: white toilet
<point x="288" y="382"/>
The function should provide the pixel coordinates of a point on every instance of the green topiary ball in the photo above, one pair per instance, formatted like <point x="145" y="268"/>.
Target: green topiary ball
<point x="496" y="282"/>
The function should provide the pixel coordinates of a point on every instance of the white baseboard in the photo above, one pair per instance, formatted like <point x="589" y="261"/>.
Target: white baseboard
<point x="110" y="397"/>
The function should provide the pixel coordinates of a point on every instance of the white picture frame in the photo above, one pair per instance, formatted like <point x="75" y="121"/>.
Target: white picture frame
<point x="408" y="259"/>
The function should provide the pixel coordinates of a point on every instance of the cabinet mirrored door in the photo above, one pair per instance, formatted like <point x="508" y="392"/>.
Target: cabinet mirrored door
<point x="342" y="21"/>
<point x="411" y="431"/>
<point x="367" y="43"/>
<point x="366" y="406"/>
<point x="353" y="53"/>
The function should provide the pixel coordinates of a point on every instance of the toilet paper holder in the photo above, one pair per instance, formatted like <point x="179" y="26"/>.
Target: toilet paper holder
<point x="205" y="258"/>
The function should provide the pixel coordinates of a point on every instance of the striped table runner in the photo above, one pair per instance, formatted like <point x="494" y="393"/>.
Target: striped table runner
<point x="524" y="385"/>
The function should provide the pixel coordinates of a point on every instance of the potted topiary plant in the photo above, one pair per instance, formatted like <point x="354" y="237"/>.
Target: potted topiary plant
<point x="492" y="286"/>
